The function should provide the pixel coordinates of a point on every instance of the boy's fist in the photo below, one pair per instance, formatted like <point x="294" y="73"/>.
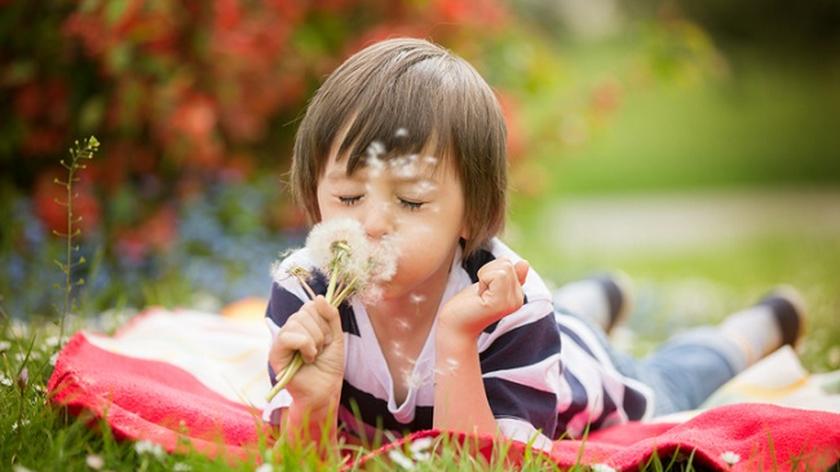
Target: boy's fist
<point x="315" y="332"/>
<point x="497" y="293"/>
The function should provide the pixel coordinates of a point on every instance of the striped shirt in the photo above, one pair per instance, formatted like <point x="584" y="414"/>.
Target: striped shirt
<point x="536" y="390"/>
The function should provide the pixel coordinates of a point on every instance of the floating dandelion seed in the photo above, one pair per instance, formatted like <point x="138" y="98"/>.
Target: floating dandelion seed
<point x="403" y="325"/>
<point x="415" y="380"/>
<point x="94" y="461"/>
<point x="375" y="149"/>
<point x="730" y="457"/>
<point x="401" y="133"/>
<point x="353" y="265"/>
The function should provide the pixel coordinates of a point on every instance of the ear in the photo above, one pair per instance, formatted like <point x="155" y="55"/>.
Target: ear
<point x="465" y="232"/>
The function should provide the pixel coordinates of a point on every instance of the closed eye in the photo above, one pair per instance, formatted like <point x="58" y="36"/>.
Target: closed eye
<point x="410" y="205"/>
<point x="349" y="201"/>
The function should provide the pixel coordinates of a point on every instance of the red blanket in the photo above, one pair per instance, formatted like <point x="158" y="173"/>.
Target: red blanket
<point x="162" y="402"/>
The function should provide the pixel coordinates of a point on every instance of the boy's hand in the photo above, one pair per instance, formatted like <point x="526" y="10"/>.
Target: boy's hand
<point x="314" y="331"/>
<point x="497" y="293"/>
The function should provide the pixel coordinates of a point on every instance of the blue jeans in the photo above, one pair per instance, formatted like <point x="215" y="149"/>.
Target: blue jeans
<point x="684" y="371"/>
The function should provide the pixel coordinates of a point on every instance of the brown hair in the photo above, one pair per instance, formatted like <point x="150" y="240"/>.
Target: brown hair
<point x="405" y="94"/>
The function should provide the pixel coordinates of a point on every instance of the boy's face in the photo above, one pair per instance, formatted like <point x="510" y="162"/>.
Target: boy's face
<point x="416" y="201"/>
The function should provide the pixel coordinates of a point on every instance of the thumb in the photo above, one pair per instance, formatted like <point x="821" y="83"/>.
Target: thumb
<point x="521" y="269"/>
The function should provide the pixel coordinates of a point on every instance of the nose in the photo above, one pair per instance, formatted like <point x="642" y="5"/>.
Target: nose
<point x="378" y="220"/>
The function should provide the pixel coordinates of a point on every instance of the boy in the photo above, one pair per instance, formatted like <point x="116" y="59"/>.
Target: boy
<point x="465" y="336"/>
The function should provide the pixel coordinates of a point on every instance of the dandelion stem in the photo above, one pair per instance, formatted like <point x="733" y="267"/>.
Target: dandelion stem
<point x="294" y="365"/>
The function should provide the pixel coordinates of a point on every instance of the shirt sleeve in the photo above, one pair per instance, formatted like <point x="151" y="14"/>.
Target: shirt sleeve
<point x="520" y="364"/>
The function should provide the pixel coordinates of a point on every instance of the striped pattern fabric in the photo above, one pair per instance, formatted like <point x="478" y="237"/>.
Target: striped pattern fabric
<point x="541" y="381"/>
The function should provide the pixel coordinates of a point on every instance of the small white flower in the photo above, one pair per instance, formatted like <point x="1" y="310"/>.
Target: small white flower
<point x="602" y="468"/>
<point x="52" y="341"/>
<point x="53" y="358"/>
<point x="400" y="459"/>
<point x="148" y="447"/>
<point x="94" y="461"/>
<point x="20" y="356"/>
<point x="265" y="467"/>
<point x="181" y="467"/>
<point x="420" y="449"/>
<point x="5" y="381"/>
<point x="20" y="468"/>
<point x="4" y="346"/>
<point x="730" y="457"/>
<point x="22" y="423"/>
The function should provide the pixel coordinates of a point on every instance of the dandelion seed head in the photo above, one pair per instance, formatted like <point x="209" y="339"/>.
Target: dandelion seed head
<point x="371" y="294"/>
<point x="323" y="238"/>
<point x="383" y="259"/>
<point x="94" y="461"/>
<point x="730" y="457"/>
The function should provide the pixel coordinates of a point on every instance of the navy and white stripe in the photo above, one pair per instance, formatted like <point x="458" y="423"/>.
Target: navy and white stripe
<point x="534" y="388"/>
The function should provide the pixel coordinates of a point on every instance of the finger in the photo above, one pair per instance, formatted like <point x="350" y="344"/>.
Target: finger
<point x="310" y="322"/>
<point x="291" y="341"/>
<point x="302" y="343"/>
<point x="521" y="269"/>
<point x="330" y="314"/>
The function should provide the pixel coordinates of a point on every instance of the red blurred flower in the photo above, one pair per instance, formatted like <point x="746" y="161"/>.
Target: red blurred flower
<point x="156" y="233"/>
<point x="54" y="215"/>
<point x="515" y="133"/>
<point x="606" y="96"/>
